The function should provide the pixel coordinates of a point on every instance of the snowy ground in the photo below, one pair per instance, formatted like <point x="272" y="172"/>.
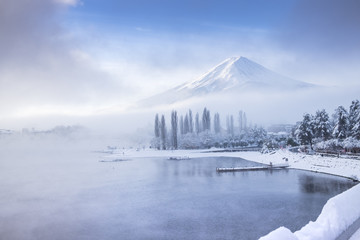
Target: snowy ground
<point x="338" y="214"/>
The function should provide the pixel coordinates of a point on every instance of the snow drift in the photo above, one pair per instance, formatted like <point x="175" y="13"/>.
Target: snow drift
<point x="338" y="214"/>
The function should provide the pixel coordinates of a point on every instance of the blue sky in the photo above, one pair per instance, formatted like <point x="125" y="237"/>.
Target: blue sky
<point x="111" y="53"/>
<point x="182" y="16"/>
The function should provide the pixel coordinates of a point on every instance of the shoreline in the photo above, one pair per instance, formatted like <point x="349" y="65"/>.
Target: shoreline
<point x="340" y="167"/>
<point x="331" y="174"/>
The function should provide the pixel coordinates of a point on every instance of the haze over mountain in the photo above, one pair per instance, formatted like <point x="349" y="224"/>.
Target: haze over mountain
<point x="234" y="75"/>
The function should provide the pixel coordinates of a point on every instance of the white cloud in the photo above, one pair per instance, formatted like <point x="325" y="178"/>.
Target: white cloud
<point x="41" y="72"/>
<point x="68" y="2"/>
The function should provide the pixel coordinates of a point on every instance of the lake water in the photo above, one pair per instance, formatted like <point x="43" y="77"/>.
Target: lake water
<point x="155" y="198"/>
<point x="188" y="199"/>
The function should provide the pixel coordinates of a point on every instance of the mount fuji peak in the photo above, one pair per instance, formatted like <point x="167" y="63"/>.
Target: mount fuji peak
<point x="236" y="75"/>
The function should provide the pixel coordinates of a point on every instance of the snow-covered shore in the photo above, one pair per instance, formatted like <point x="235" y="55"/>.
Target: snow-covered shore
<point x="338" y="214"/>
<point x="349" y="168"/>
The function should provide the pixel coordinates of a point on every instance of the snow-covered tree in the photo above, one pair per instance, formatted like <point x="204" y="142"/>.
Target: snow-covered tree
<point x="157" y="126"/>
<point x="174" y="127"/>
<point x="257" y="135"/>
<point x="354" y="119"/>
<point x="197" y="124"/>
<point x="305" y="131"/>
<point x="186" y="124"/>
<point x="341" y="123"/>
<point x="356" y="129"/>
<point x="157" y="132"/>
<point x="230" y="125"/>
<point x="163" y="132"/>
<point x="191" y="124"/>
<point x="244" y="119"/>
<point x="190" y="141"/>
<point x="206" y="120"/>
<point x="181" y="125"/>
<point x="322" y="125"/>
<point x="217" y="127"/>
<point x="240" y="121"/>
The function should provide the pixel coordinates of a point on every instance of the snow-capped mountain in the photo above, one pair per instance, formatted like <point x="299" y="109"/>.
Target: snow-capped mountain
<point x="236" y="74"/>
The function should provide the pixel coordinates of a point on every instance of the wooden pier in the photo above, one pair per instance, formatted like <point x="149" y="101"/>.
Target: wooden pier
<point x="256" y="168"/>
<point x="179" y="158"/>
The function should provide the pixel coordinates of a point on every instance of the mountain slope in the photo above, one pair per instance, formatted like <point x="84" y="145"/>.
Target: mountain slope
<point x="236" y="74"/>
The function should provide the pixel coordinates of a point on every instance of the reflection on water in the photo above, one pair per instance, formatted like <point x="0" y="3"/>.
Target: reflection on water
<point x="204" y="167"/>
<point x="322" y="184"/>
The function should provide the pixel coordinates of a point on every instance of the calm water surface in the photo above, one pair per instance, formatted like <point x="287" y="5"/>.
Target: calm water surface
<point x="188" y="199"/>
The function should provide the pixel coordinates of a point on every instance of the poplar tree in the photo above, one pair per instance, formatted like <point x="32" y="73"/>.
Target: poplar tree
<point x="206" y="120"/>
<point x="240" y="121"/>
<point x="217" y="127"/>
<point x="191" y="124"/>
<point x="157" y="131"/>
<point x="163" y="132"/>
<point x="181" y="125"/>
<point x="174" y="127"/>
<point x="186" y="124"/>
<point x="197" y="124"/>
<point x="244" y="122"/>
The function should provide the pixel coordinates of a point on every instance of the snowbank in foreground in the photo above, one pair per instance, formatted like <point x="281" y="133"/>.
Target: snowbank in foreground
<point x="280" y="233"/>
<point x="337" y="215"/>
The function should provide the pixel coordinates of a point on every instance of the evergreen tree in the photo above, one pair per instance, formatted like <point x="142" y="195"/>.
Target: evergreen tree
<point x="356" y="129"/>
<point x="354" y="116"/>
<point x="305" y="130"/>
<point x="322" y="125"/>
<point x="341" y="123"/>
<point x="163" y="132"/>
<point x="174" y="128"/>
